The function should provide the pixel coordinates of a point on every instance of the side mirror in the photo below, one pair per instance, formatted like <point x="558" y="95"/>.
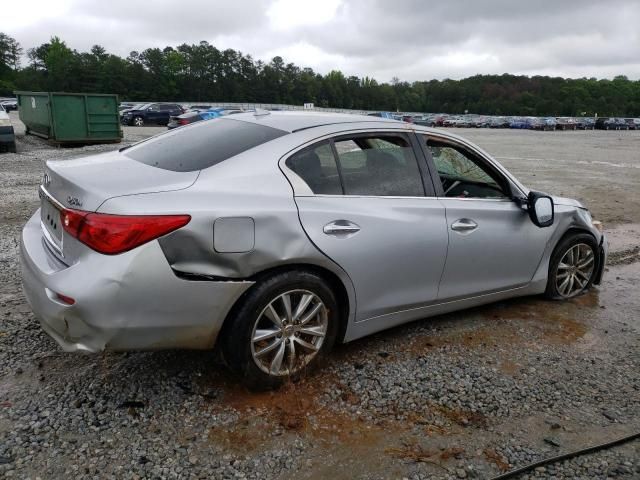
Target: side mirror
<point x="540" y="209"/>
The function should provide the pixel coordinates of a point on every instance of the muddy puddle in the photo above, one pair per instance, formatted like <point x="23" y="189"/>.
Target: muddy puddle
<point x="522" y="322"/>
<point x="295" y="409"/>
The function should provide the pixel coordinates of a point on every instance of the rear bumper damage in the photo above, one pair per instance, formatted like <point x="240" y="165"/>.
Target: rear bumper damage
<point x="136" y="302"/>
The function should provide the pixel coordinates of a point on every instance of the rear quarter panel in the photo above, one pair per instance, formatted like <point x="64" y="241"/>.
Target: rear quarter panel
<point x="248" y="186"/>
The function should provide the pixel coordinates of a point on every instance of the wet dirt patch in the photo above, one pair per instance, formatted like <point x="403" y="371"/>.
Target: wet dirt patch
<point x="519" y="322"/>
<point x="414" y="452"/>
<point x="624" y="257"/>
<point x="464" y="418"/>
<point x="546" y="321"/>
<point x="497" y="459"/>
<point x="295" y="409"/>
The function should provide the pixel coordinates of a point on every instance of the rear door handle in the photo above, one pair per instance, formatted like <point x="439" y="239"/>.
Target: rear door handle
<point x="340" y="227"/>
<point x="464" y="225"/>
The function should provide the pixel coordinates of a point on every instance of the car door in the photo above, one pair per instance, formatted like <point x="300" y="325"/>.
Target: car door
<point x="169" y="111"/>
<point x="493" y="245"/>
<point x="363" y="202"/>
<point x="163" y="113"/>
<point x="153" y="113"/>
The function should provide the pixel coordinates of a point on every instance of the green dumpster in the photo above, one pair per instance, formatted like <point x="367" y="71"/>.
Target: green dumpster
<point x="64" y="118"/>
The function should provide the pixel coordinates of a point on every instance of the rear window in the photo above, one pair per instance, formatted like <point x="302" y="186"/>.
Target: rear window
<point x="201" y="145"/>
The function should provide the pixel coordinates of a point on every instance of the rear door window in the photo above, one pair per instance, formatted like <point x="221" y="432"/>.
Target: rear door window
<point x="201" y="145"/>
<point x="380" y="165"/>
<point x="316" y="165"/>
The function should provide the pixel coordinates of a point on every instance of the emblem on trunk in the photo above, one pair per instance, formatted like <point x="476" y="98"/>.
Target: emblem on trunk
<point x="46" y="180"/>
<point x="73" y="201"/>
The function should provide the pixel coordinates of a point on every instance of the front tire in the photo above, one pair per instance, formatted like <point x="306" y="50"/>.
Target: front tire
<point x="572" y="268"/>
<point x="283" y="327"/>
<point x="138" y="122"/>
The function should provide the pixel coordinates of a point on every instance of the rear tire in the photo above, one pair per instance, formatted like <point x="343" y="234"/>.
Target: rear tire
<point x="294" y="344"/>
<point x="573" y="267"/>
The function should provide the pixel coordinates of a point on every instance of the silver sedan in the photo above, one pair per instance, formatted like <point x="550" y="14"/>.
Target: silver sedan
<point x="276" y="235"/>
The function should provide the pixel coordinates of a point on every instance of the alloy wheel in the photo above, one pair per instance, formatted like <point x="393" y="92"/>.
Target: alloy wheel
<point x="138" y="122"/>
<point x="289" y="332"/>
<point x="575" y="270"/>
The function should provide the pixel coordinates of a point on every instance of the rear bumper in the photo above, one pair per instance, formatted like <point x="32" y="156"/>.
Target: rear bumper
<point x="131" y="301"/>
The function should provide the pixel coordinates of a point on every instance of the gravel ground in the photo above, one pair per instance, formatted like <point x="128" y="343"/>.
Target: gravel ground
<point x="464" y="395"/>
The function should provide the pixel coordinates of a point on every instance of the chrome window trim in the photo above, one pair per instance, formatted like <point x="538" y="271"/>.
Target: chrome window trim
<point x="468" y="199"/>
<point x="397" y="197"/>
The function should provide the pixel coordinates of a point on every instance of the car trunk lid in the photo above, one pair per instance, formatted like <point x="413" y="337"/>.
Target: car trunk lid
<point x="86" y="183"/>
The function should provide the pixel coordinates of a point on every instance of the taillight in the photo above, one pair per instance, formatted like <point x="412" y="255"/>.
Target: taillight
<point x="113" y="234"/>
<point x="65" y="299"/>
<point x="183" y="121"/>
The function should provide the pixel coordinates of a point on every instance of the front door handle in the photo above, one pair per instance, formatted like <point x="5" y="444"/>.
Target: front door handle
<point x="464" y="225"/>
<point x="340" y="227"/>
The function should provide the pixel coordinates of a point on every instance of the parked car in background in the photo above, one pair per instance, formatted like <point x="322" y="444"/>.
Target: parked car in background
<point x="381" y="115"/>
<point x="192" y="117"/>
<point x="480" y="121"/>
<point x="7" y="135"/>
<point x="268" y="236"/>
<point x="125" y="106"/>
<point x="183" y="119"/>
<point x="424" y="120"/>
<point x="537" y="123"/>
<point x="585" y="123"/>
<point x="550" y="123"/>
<point x="151" y="114"/>
<point x="197" y="108"/>
<point x="457" y="122"/>
<point x="520" y="123"/>
<point x="498" y="122"/>
<point x="429" y="120"/>
<point x="611" y="123"/>
<point x="566" y="123"/>
<point x="631" y="124"/>
<point x="407" y="118"/>
<point x="9" y="105"/>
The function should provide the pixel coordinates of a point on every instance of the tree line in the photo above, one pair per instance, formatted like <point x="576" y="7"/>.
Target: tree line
<point x="202" y="72"/>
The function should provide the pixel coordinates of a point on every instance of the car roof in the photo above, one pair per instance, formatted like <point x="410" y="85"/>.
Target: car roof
<point x="301" y="120"/>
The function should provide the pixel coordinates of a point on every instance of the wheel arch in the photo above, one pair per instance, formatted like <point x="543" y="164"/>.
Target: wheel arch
<point x="333" y="280"/>
<point x="572" y="230"/>
<point x="569" y="232"/>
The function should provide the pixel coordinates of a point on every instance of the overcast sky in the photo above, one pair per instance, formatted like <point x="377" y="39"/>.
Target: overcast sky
<point x="410" y="39"/>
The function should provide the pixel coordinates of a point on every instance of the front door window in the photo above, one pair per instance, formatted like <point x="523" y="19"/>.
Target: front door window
<point x="463" y="175"/>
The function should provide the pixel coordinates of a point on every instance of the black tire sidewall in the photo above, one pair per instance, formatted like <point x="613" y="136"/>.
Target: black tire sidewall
<point x="236" y="338"/>
<point x="560" y="250"/>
